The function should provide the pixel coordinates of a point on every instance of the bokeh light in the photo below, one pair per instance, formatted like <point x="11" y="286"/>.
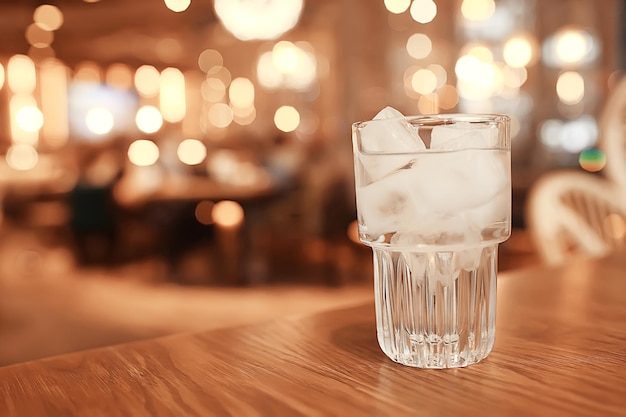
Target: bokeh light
<point x="148" y="119"/>
<point x="478" y="10"/>
<point x="210" y="61"/>
<point x="258" y="19"/>
<point x="570" y="87"/>
<point x="99" y="120"/>
<point x="213" y="89"/>
<point x="119" y="76"/>
<point x="203" y="212"/>
<point x="22" y="157"/>
<point x="227" y="213"/>
<point x="38" y="36"/>
<point x="569" y="47"/>
<point x="287" y="118"/>
<point x="288" y="65"/>
<point x="29" y="118"/>
<point x="172" y="93"/>
<point x="419" y="45"/>
<point x="48" y="17"/>
<point x="191" y="152"/>
<point x="147" y="81"/>
<point x="21" y="74"/>
<point x="518" y="52"/>
<point x="592" y="160"/>
<point x="177" y="5"/>
<point x="424" y="81"/>
<point x="143" y="153"/>
<point x="423" y="11"/>
<point x="397" y="6"/>
<point x="448" y="97"/>
<point x="241" y="92"/>
<point x="220" y="115"/>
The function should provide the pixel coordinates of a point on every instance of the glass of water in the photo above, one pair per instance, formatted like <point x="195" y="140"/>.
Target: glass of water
<point x="433" y="202"/>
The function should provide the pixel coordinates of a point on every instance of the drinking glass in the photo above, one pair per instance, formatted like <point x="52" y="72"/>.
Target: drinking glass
<point x="433" y="197"/>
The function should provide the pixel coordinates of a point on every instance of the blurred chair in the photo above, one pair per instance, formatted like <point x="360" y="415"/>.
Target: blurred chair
<point x="576" y="213"/>
<point x="613" y="133"/>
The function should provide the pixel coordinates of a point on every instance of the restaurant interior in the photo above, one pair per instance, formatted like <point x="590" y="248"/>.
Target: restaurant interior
<point x="181" y="165"/>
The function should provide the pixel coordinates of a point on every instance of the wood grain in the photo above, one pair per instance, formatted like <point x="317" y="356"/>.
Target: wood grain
<point x="560" y="351"/>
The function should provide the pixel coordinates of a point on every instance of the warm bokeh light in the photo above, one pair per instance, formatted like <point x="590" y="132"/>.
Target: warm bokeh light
<point x="285" y="56"/>
<point x="210" y="61"/>
<point x="448" y="97"/>
<point x="22" y="157"/>
<point x="1" y="76"/>
<point x="571" y="46"/>
<point x="423" y="11"/>
<point x="428" y="104"/>
<point x="172" y="95"/>
<point x="440" y="72"/>
<point x="177" y="5"/>
<point x="258" y="19"/>
<point x="29" y="118"/>
<point x="19" y="135"/>
<point x="119" y="76"/>
<point x="148" y="119"/>
<point x="87" y="72"/>
<point x="241" y="92"/>
<point x="477" y="79"/>
<point x="615" y="226"/>
<point x="570" y="87"/>
<point x="53" y="77"/>
<point x="419" y="45"/>
<point x="514" y="77"/>
<point x="267" y="74"/>
<point x="213" y="90"/>
<point x="288" y="65"/>
<point x="143" y="153"/>
<point x="397" y="6"/>
<point x="21" y="74"/>
<point x="147" y="80"/>
<point x="478" y="10"/>
<point x="38" y="36"/>
<point x="244" y="117"/>
<point x="99" y="120"/>
<point x="518" y="52"/>
<point x="424" y="81"/>
<point x="287" y="118"/>
<point x="203" y="212"/>
<point x="480" y="51"/>
<point x="227" y="213"/>
<point x="191" y="152"/>
<point x="220" y="115"/>
<point x="48" y="17"/>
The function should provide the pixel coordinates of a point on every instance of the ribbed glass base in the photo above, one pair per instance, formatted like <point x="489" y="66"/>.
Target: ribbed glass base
<point x="436" y="309"/>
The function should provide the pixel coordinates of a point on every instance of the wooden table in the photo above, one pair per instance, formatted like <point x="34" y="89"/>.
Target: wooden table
<point x="560" y="351"/>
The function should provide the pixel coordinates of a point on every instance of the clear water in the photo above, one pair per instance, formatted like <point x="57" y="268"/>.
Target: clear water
<point x="430" y="313"/>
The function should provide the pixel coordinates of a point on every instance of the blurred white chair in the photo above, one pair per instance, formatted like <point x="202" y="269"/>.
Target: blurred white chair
<point x="613" y="134"/>
<point x="573" y="212"/>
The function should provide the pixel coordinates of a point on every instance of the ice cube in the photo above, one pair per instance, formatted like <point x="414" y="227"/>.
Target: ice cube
<point x="394" y="136"/>
<point x="388" y="205"/>
<point x="452" y="182"/>
<point x="463" y="135"/>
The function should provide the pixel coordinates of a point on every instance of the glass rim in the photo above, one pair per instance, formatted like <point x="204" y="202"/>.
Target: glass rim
<point x="442" y="119"/>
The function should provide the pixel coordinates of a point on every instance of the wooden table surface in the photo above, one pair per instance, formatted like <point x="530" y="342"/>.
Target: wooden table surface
<point x="560" y="351"/>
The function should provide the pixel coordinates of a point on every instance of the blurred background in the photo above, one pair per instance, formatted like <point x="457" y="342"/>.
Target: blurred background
<point x="182" y="165"/>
